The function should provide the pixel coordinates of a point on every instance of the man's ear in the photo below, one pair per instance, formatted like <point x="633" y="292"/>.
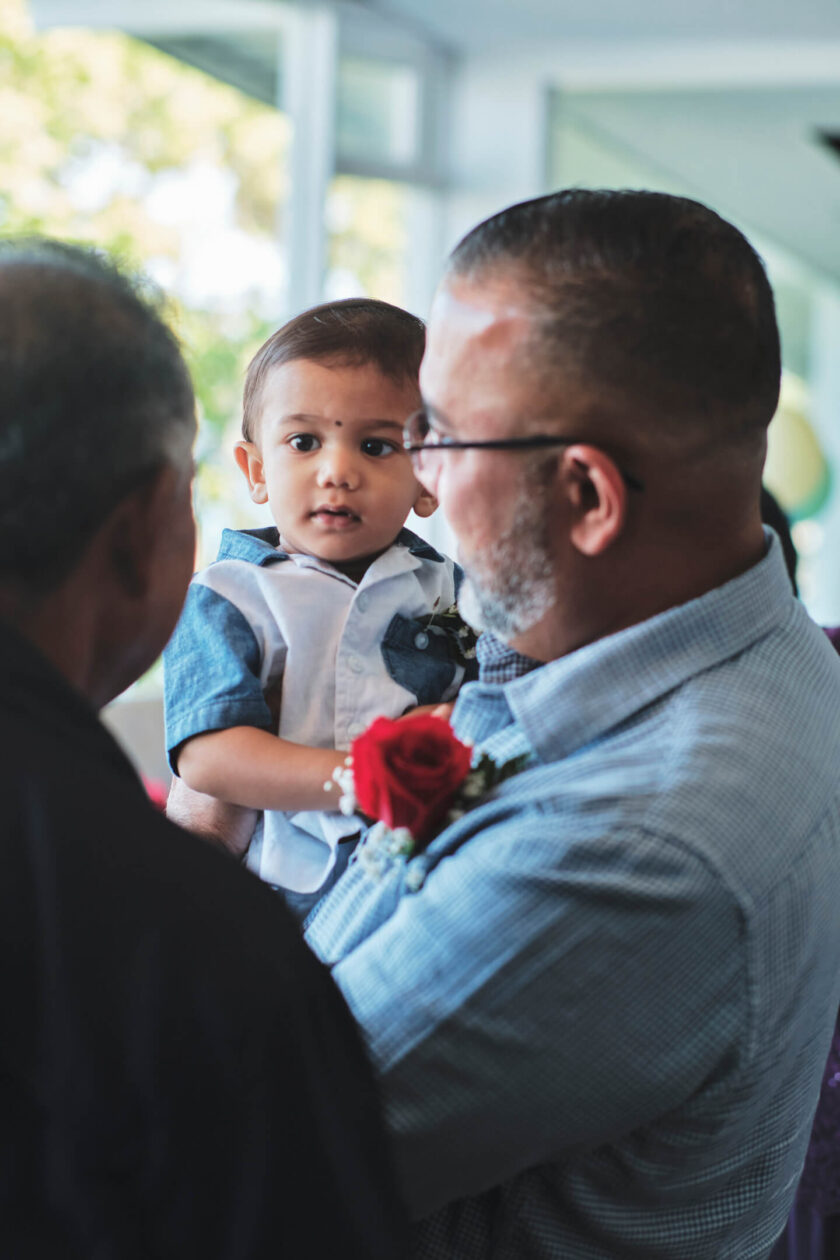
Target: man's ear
<point x="425" y="503"/>
<point x="598" y="496"/>
<point x="249" y="459"/>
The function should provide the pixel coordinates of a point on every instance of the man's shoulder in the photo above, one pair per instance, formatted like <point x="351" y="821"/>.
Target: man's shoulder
<point x="74" y="801"/>
<point x="738" y="763"/>
<point x="730" y="753"/>
<point x="763" y="732"/>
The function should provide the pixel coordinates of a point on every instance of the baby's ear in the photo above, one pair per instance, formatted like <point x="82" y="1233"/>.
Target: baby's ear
<point x="249" y="459"/>
<point x="425" y="503"/>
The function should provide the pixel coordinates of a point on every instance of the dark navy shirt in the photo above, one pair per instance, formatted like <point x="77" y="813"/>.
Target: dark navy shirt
<point x="178" y="1076"/>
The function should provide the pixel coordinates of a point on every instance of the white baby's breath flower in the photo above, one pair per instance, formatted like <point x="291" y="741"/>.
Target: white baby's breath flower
<point x="377" y="836"/>
<point x="400" y="842"/>
<point x="382" y="845"/>
<point x="415" y="878"/>
<point x="372" y="861"/>
<point x="347" y="802"/>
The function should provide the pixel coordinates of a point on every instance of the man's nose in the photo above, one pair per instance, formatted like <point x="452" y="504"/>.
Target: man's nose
<point x="338" y="467"/>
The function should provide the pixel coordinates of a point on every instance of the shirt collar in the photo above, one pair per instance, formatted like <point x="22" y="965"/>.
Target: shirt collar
<point x="257" y="546"/>
<point x="417" y="546"/>
<point x="262" y="546"/>
<point x="574" y="700"/>
<point x="499" y="663"/>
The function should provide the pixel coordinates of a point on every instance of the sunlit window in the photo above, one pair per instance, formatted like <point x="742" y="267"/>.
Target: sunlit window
<point x="367" y="246"/>
<point x="107" y="140"/>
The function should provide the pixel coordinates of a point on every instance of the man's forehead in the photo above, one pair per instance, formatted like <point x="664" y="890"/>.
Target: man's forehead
<point x="480" y="308"/>
<point x="481" y="338"/>
<point x="481" y="369"/>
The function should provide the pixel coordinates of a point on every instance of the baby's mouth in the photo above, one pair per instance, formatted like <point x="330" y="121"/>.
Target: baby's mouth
<point x="335" y="516"/>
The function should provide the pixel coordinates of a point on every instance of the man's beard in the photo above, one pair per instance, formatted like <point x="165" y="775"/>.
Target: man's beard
<point x="510" y="587"/>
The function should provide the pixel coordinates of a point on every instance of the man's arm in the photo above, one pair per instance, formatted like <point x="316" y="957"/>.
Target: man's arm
<point x="227" y="826"/>
<point x="535" y="995"/>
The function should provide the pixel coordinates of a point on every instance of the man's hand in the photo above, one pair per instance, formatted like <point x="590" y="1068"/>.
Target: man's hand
<point x="227" y="826"/>
<point x="432" y="710"/>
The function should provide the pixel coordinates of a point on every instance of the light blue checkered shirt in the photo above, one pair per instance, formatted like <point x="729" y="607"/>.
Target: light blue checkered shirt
<point x="600" y="1003"/>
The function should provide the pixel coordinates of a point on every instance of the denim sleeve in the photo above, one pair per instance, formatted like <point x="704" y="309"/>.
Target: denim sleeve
<point x="211" y="671"/>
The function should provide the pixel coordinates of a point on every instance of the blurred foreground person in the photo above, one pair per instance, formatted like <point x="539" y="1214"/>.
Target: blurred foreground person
<point x="600" y="999"/>
<point x="179" y="1075"/>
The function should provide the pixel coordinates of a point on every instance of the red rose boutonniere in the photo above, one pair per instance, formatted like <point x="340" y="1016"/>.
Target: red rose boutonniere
<point x="406" y="773"/>
<point x="411" y="778"/>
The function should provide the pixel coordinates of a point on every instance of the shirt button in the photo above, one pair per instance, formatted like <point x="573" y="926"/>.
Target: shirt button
<point x="355" y="665"/>
<point x="415" y="877"/>
<point x="421" y="640"/>
<point x="362" y="602"/>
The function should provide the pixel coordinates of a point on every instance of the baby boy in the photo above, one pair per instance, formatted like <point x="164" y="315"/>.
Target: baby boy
<point x="300" y="634"/>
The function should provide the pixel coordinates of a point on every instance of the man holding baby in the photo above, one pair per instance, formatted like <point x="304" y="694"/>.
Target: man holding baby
<point x="599" y="1003"/>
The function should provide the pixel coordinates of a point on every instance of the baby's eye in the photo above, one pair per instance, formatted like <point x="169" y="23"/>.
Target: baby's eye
<point x="303" y="442"/>
<point x="378" y="447"/>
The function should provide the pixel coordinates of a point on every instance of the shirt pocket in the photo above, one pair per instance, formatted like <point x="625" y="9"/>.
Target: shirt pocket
<point x="419" y="657"/>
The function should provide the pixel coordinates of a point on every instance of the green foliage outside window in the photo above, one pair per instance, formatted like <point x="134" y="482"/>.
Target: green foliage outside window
<point x="106" y="140"/>
<point x="92" y="125"/>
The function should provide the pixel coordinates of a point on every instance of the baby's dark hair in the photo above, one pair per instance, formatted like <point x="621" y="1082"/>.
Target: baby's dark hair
<point x="350" y="333"/>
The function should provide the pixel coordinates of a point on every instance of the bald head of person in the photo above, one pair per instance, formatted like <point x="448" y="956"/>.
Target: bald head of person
<point x="633" y="334"/>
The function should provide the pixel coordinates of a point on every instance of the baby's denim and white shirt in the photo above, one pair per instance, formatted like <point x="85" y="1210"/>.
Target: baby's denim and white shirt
<point x="287" y="643"/>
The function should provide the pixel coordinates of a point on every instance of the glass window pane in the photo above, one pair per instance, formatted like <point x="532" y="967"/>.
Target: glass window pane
<point x="367" y="247"/>
<point x="378" y="111"/>
<point x="106" y="139"/>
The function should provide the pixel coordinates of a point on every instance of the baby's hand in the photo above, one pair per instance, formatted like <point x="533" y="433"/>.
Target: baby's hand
<point x="431" y="710"/>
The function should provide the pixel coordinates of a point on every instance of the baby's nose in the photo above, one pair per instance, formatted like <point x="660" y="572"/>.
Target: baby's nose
<point x="338" y="467"/>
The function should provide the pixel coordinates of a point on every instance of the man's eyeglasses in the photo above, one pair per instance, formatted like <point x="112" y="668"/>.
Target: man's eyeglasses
<point x="420" y="439"/>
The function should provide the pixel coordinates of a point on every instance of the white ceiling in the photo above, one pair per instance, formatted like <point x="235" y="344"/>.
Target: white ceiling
<point x="723" y="99"/>
<point x="756" y="153"/>
<point x="465" y="24"/>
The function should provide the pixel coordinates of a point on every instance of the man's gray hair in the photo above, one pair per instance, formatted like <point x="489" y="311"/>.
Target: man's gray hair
<point x="94" y="398"/>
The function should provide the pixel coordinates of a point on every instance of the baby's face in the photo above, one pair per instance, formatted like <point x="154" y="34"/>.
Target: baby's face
<point x="329" y="461"/>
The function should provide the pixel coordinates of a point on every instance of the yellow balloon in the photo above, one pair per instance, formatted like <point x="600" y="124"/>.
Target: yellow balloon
<point x="797" y="472"/>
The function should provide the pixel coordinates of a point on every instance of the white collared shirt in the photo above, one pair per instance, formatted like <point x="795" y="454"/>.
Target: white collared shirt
<point x="264" y="629"/>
